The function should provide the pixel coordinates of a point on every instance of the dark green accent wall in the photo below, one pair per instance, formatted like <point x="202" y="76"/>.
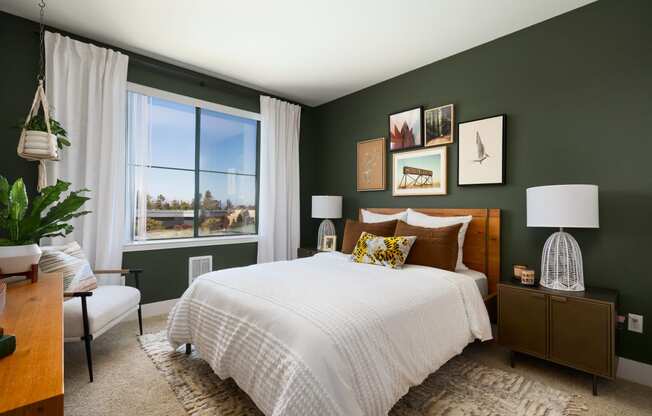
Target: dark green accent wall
<point x="577" y="91"/>
<point x="165" y="271"/>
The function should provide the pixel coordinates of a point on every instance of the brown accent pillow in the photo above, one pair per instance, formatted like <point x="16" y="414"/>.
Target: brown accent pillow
<point x="435" y="247"/>
<point x="353" y="230"/>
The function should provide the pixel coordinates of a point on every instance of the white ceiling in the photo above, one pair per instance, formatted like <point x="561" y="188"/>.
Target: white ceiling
<point x="309" y="51"/>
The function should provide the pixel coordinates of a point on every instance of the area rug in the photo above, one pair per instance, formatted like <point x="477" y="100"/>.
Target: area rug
<point x="461" y="387"/>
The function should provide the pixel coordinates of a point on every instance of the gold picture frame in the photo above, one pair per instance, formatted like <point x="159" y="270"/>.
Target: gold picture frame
<point x="439" y="125"/>
<point x="371" y="161"/>
<point x="420" y="172"/>
<point x="329" y="243"/>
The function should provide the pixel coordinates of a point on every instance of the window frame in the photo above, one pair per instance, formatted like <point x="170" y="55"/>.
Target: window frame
<point x="196" y="240"/>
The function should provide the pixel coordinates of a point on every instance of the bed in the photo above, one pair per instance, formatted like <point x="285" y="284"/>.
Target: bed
<point x="326" y="336"/>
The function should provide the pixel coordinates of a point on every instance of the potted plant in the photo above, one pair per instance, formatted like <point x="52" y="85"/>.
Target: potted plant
<point x="23" y="225"/>
<point x="36" y="131"/>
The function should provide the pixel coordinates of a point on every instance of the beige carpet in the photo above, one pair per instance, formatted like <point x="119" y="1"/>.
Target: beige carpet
<point x="128" y="383"/>
<point x="461" y="387"/>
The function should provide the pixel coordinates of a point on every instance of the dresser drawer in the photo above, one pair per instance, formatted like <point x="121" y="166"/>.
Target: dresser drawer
<point x="522" y="316"/>
<point x="580" y="334"/>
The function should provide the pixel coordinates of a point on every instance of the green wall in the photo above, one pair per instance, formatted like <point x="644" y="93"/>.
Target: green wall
<point x="577" y="91"/>
<point x="165" y="271"/>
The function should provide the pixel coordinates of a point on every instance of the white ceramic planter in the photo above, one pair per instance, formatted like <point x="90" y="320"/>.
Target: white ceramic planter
<point x="40" y="145"/>
<point x="18" y="259"/>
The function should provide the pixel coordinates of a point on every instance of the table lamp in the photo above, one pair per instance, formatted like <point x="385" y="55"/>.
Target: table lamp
<point x="326" y="207"/>
<point x="562" y="206"/>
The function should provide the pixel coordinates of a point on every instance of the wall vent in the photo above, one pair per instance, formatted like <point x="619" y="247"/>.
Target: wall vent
<point x="198" y="266"/>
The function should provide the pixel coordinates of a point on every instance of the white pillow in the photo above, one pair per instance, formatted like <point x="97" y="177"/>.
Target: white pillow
<point x="371" y="217"/>
<point x="428" y="221"/>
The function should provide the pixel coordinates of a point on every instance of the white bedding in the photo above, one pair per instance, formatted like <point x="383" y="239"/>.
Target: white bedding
<point x="479" y="278"/>
<point x="326" y="336"/>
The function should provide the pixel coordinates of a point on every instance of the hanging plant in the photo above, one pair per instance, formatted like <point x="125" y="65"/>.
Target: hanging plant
<point x="41" y="137"/>
<point x="37" y="123"/>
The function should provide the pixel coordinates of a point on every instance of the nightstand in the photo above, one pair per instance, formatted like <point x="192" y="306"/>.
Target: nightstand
<point x="575" y="329"/>
<point x="306" y="252"/>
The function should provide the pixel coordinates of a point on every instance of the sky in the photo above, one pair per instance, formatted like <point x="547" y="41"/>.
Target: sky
<point x="227" y="143"/>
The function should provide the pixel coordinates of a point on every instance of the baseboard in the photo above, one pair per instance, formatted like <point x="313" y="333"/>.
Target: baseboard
<point x="155" y="309"/>
<point x="635" y="371"/>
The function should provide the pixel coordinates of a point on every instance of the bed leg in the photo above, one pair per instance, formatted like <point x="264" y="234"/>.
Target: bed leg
<point x="512" y="356"/>
<point x="188" y="349"/>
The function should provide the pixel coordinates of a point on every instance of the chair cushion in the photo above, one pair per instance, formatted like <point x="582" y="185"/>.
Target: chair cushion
<point x="106" y="304"/>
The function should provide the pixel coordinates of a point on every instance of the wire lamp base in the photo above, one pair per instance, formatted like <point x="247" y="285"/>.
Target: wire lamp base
<point x="561" y="263"/>
<point x="325" y="228"/>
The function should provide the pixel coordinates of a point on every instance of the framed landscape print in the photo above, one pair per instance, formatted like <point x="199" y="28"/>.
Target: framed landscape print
<point x="438" y="125"/>
<point x="405" y="129"/>
<point x="371" y="170"/>
<point x="419" y="172"/>
<point x="481" y="153"/>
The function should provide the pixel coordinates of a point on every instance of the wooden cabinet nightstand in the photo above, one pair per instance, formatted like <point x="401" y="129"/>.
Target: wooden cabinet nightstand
<point x="306" y="252"/>
<point x="576" y="329"/>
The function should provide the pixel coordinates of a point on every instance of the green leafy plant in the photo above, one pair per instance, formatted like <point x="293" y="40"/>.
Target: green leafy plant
<point x="37" y="123"/>
<point x="22" y="223"/>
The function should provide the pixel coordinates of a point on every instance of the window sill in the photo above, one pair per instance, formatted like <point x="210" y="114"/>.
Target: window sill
<point x="188" y="242"/>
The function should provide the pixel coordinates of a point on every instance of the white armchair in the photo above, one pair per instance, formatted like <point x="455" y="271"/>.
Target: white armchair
<point x="90" y="314"/>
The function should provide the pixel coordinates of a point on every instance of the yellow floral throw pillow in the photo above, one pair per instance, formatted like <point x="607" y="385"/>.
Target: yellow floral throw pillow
<point x="385" y="251"/>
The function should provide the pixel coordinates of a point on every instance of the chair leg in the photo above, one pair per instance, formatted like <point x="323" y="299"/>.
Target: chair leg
<point x="188" y="349"/>
<point x="140" y="319"/>
<point x="89" y="359"/>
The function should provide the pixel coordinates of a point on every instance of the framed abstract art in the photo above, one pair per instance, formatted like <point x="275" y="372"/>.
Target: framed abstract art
<point x="371" y="170"/>
<point x="405" y="129"/>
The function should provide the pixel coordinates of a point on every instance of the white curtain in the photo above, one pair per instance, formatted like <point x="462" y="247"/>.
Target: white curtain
<point x="139" y="155"/>
<point x="86" y="87"/>
<point x="279" y="221"/>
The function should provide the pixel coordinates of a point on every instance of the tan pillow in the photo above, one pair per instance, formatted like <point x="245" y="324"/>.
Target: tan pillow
<point x="435" y="247"/>
<point x="353" y="230"/>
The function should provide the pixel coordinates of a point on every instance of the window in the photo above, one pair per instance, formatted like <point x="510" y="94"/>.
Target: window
<point x="192" y="167"/>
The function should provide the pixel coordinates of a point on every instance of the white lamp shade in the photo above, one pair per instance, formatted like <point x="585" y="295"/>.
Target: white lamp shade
<point x="567" y="206"/>
<point x="326" y="206"/>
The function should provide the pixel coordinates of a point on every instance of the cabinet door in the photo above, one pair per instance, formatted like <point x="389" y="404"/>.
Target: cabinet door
<point x="580" y="334"/>
<point x="522" y="315"/>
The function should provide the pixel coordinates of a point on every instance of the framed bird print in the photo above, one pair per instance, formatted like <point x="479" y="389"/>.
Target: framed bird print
<point x="481" y="152"/>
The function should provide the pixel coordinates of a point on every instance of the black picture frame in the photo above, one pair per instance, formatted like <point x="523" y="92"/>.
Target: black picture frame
<point x="503" y="154"/>
<point x="420" y="124"/>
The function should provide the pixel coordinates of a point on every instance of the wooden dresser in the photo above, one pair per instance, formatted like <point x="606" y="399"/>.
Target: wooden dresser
<point x="575" y="329"/>
<point x="31" y="379"/>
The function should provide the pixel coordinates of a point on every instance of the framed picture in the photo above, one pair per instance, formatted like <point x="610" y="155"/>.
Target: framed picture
<point x="481" y="153"/>
<point x="329" y="243"/>
<point x="405" y="129"/>
<point x="419" y="172"/>
<point x="371" y="170"/>
<point x="438" y="125"/>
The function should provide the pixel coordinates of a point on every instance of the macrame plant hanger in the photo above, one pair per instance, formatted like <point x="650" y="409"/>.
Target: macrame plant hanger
<point x="37" y="145"/>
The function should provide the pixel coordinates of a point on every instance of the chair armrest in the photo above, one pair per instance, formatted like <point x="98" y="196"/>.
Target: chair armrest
<point x="112" y="271"/>
<point x="77" y="294"/>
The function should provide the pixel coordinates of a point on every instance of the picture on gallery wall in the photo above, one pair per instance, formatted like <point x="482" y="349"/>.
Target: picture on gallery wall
<point x="481" y="151"/>
<point x="438" y="125"/>
<point x="405" y="129"/>
<point x="419" y="172"/>
<point x="371" y="165"/>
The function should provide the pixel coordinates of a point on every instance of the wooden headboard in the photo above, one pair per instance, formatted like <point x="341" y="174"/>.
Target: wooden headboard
<point x="482" y="241"/>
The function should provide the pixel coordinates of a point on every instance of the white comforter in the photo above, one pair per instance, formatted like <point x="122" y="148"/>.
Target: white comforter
<point x="326" y="336"/>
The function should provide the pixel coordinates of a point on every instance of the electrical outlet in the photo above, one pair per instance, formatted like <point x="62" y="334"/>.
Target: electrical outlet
<point x="635" y="323"/>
